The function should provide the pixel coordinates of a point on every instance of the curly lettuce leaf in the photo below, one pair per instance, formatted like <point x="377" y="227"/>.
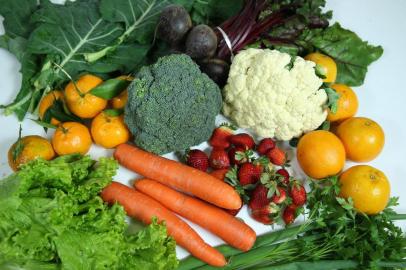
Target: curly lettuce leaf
<point x="351" y="53"/>
<point x="51" y="217"/>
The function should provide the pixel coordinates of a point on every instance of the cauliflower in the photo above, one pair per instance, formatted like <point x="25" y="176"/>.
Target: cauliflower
<point x="263" y="93"/>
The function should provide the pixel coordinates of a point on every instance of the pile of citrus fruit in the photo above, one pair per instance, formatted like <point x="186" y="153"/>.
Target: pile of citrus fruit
<point x="322" y="153"/>
<point x="101" y="121"/>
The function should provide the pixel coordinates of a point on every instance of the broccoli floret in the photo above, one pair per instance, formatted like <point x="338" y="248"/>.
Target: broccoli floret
<point x="171" y="105"/>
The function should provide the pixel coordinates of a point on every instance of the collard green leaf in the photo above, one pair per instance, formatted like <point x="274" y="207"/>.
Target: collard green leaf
<point x="352" y="55"/>
<point x="67" y="32"/>
<point x="16" y="14"/>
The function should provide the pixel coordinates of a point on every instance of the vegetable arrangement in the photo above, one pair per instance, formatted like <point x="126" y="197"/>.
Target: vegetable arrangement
<point x="155" y="72"/>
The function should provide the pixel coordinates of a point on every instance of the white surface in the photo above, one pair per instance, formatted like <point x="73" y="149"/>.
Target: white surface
<point x="382" y="97"/>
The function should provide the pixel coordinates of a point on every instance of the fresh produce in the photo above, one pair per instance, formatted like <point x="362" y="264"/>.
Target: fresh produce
<point x="285" y="176"/>
<point x="335" y="236"/>
<point x="201" y="42"/>
<point x="289" y="214"/>
<point x="219" y="174"/>
<point x="109" y="130"/>
<point x="249" y="173"/>
<point x="220" y="137"/>
<point x="265" y="94"/>
<point x="265" y="145"/>
<point x="28" y="148"/>
<point x="320" y="154"/>
<point x="347" y="104"/>
<point x="144" y="208"/>
<point x="325" y="65"/>
<point x="100" y="37"/>
<point x="277" y="156"/>
<point x="80" y="101"/>
<point x="46" y="102"/>
<point x="119" y="102"/>
<point x="238" y="155"/>
<point x="197" y="159"/>
<point x="233" y="231"/>
<point x="298" y="193"/>
<point x="216" y="69"/>
<point x="71" y="138"/>
<point x="171" y="105"/>
<point x="50" y="211"/>
<point x="363" y="138"/>
<point x="174" y="22"/>
<point x="259" y="197"/>
<point x="177" y="175"/>
<point x="243" y="140"/>
<point x="368" y="188"/>
<point x="219" y="159"/>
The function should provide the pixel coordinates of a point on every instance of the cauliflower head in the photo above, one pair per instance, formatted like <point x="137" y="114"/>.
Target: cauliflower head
<point x="274" y="94"/>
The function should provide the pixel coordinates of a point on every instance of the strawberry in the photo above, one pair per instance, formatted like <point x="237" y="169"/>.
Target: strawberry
<point x="284" y="176"/>
<point x="298" y="193"/>
<point x="243" y="140"/>
<point x="265" y="145"/>
<point x="279" y="196"/>
<point x="277" y="156"/>
<point x="249" y="173"/>
<point x="266" y="213"/>
<point x="219" y="159"/>
<point x="289" y="214"/>
<point x="197" y="159"/>
<point x="237" y="155"/>
<point x="259" y="197"/>
<point x="221" y="135"/>
<point x="219" y="174"/>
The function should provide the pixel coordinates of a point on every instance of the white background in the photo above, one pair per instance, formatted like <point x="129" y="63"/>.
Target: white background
<point x="382" y="97"/>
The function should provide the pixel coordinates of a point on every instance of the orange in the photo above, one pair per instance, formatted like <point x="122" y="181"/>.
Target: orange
<point x="320" y="154"/>
<point x="326" y="63"/>
<point x="367" y="186"/>
<point x="109" y="131"/>
<point x="80" y="101"/>
<point x="119" y="101"/>
<point x="71" y="137"/>
<point x="362" y="137"/>
<point x="347" y="103"/>
<point x="29" y="148"/>
<point x="47" y="102"/>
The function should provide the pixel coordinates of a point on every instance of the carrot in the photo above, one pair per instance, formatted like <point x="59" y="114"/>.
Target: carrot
<point x="219" y="174"/>
<point x="178" y="175"/>
<point x="144" y="208"/>
<point x="232" y="230"/>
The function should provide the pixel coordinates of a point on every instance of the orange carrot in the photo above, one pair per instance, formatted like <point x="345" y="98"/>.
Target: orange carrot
<point x="178" y="175"/>
<point x="232" y="230"/>
<point x="219" y="174"/>
<point x="144" y="208"/>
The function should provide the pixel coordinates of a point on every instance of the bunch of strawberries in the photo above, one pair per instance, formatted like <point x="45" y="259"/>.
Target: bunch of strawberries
<point x="272" y="194"/>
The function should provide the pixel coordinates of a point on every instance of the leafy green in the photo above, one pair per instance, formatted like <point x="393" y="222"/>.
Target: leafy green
<point x="333" y="97"/>
<point x="335" y="236"/>
<point x="110" y="88"/>
<point x="352" y="55"/>
<point x="51" y="217"/>
<point x="15" y="15"/>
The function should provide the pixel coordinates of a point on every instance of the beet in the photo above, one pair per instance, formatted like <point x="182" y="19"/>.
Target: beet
<point x="201" y="42"/>
<point x="173" y="24"/>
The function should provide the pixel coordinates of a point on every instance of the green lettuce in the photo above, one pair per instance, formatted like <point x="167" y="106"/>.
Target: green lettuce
<point x="51" y="217"/>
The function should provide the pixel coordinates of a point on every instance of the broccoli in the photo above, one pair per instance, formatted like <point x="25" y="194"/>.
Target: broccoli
<point x="171" y="105"/>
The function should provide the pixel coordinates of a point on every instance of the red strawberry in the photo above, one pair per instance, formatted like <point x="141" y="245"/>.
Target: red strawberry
<point x="221" y="135"/>
<point x="241" y="153"/>
<point x="243" y="140"/>
<point x="219" y="174"/>
<point x="265" y="214"/>
<point x="265" y="145"/>
<point x="219" y="159"/>
<point x="249" y="173"/>
<point x="285" y="175"/>
<point x="298" y="193"/>
<point x="289" y="214"/>
<point x="277" y="156"/>
<point x="259" y="197"/>
<point x="197" y="159"/>
<point x="279" y="196"/>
